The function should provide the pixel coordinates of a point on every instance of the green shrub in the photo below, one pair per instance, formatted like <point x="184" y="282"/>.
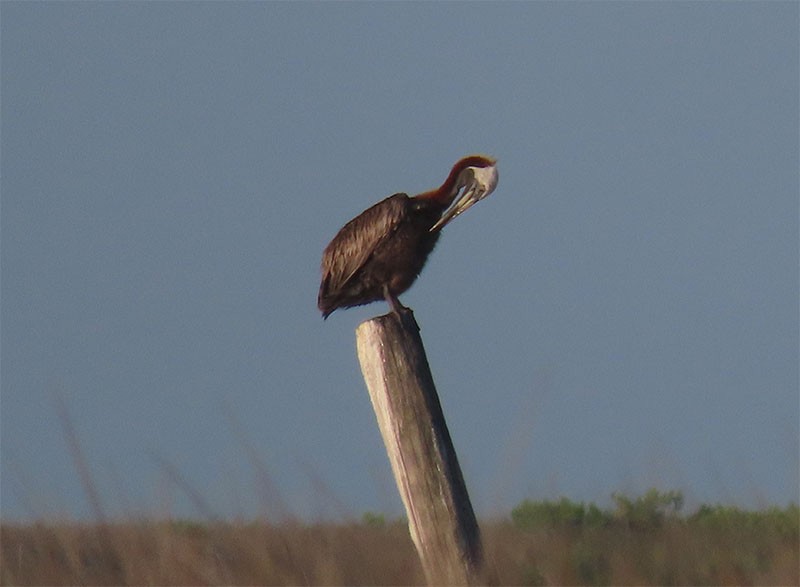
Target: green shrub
<point x="648" y="510"/>
<point x="781" y="522"/>
<point x="373" y="520"/>
<point x="529" y="514"/>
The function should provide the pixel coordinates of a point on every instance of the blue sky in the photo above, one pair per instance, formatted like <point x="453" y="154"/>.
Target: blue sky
<point x="621" y="313"/>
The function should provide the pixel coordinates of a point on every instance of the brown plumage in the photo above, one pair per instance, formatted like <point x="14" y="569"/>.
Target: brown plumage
<point x="380" y="253"/>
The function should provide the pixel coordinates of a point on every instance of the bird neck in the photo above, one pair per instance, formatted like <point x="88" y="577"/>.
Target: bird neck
<point x="442" y="196"/>
<point x="446" y="193"/>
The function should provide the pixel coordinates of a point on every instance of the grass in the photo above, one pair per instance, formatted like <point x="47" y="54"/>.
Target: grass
<point x="541" y="543"/>
<point x="190" y="553"/>
<point x="644" y="540"/>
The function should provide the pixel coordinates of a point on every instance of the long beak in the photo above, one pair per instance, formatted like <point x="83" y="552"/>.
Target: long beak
<point x="471" y="195"/>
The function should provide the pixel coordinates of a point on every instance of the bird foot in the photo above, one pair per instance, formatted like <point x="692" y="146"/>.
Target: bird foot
<point x="406" y="317"/>
<point x="403" y="314"/>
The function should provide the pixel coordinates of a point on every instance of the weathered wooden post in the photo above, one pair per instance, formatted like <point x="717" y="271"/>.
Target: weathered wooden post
<point x="440" y="516"/>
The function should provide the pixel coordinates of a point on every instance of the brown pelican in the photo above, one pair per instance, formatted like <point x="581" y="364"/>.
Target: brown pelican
<point x="380" y="252"/>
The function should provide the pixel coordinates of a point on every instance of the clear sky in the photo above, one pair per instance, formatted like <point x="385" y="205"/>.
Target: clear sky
<point x="621" y="313"/>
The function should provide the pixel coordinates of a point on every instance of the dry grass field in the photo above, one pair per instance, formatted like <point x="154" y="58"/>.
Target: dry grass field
<point x="542" y="543"/>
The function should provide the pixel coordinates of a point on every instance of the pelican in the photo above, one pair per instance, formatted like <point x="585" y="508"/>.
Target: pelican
<point x="380" y="253"/>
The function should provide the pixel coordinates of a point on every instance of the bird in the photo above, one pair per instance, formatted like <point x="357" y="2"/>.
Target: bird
<point x="381" y="252"/>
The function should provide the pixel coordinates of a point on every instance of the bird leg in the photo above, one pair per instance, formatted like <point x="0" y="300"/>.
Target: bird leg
<point x="403" y="314"/>
<point x="398" y="309"/>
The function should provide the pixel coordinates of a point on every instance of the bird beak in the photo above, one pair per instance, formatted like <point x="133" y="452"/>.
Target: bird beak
<point x="472" y="194"/>
<point x="482" y="183"/>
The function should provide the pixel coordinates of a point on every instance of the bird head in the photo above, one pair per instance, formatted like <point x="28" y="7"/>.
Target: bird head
<point x="476" y="179"/>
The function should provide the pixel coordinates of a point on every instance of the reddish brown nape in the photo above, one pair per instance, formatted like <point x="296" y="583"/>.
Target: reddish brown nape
<point x="446" y="192"/>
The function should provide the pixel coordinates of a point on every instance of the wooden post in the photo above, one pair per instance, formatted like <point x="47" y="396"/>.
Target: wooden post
<point x="440" y="516"/>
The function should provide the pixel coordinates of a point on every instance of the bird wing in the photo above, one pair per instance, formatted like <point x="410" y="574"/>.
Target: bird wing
<point x="355" y="243"/>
